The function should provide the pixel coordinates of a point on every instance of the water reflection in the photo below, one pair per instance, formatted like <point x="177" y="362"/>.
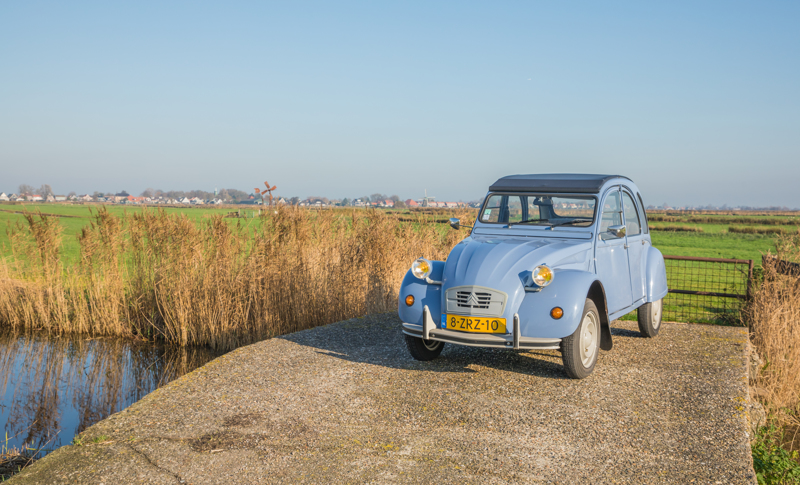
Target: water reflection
<point x="53" y="388"/>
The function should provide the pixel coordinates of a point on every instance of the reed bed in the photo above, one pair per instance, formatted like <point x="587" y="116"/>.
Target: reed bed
<point x="220" y="283"/>
<point x="677" y="228"/>
<point x="774" y="319"/>
<point x="760" y="230"/>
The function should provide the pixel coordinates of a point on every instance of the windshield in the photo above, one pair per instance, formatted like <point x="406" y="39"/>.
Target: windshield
<point x="538" y="209"/>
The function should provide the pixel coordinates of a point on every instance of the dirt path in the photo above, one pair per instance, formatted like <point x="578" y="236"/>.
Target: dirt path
<point x="345" y="403"/>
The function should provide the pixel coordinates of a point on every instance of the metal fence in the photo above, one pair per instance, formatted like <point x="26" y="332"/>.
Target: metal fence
<point x="707" y="290"/>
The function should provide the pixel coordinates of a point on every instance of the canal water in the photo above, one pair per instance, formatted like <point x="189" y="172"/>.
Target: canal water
<point x="52" y="388"/>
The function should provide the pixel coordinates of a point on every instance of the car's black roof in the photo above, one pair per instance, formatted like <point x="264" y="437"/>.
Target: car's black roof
<point x="579" y="183"/>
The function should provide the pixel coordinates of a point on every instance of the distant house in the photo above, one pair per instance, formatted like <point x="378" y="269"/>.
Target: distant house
<point x="196" y="201"/>
<point x="185" y="200"/>
<point x="85" y="198"/>
<point x="411" y="203"/>
<point x="61" y="198"/>
<point x="388" y="203"/>
<point x="35" y="198"/>
<point x="452" y="205"/>
<point x="3" y="197"/>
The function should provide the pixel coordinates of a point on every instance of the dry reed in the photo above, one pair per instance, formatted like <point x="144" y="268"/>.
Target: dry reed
<point x="219" y="283"/>
<point x="759" y="230"/>
<point x="676" y="228"/>
<point x="774" y="318"/>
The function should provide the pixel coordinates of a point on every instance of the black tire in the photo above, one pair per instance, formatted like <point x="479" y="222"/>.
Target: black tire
<point x="423" y="349"/>
<point x="649" y="316"/>
<point x="579" y="362"/>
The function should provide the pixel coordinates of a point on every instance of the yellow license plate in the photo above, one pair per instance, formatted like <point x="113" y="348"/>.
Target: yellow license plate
<point x="476" y="324"/>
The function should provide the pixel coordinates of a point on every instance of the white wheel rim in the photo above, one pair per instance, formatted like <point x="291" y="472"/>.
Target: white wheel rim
<point x="430" y="344"/>
<point x="655" y="313"/>
<point x="590" y="336"/>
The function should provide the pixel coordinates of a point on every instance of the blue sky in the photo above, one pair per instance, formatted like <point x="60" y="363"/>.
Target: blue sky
<point x="698" y="102"/>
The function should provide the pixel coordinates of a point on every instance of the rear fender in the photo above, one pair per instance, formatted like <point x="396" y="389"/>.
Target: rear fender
<point x="424" y="294"/>
<point x="656" y="275"/>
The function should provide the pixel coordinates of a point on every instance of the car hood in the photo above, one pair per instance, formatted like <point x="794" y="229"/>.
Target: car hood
<point x="505" y="263"/>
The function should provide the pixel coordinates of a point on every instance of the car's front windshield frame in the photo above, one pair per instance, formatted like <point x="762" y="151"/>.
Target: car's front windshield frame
<point x="544" y="223"/>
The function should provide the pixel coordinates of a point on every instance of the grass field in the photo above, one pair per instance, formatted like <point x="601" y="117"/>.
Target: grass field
<point x="713" y="242"/>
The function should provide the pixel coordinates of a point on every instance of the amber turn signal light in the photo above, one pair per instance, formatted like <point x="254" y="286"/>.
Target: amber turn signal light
<point x="557" y="313"/>
<point x="410" y="300"/>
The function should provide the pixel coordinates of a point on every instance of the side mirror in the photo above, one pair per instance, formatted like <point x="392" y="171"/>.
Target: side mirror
<point x="455" y="223"/>
<point x="618" y="231"/>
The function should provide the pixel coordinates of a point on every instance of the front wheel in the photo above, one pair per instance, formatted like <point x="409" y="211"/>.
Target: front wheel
<point x="579" y="351"/>
<point x="649" y="316"/>
<point x="423" y="349"/>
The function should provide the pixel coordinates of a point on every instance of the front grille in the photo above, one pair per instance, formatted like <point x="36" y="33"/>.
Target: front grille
<point x="468" y="299"/>
<point x="475" y="300"/>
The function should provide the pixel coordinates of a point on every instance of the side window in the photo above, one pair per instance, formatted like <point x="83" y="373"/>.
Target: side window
<point x="644" y="213"/>
<point x="632" y="224"/>
<point x="612" y="212"/>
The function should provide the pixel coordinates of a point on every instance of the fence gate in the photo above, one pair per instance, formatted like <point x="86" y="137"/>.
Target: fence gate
<point x="706" y="290"/>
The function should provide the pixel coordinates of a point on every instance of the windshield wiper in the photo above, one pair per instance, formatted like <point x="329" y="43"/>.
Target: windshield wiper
<point x="528" y="220"/>
<point x="573" y="221"/>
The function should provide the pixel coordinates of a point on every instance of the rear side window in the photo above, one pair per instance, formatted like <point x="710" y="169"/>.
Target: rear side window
<point x="644" y="213"/>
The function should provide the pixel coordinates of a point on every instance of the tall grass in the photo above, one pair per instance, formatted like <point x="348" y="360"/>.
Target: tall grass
<point x="774" y="318"/>
<point x="677" y="228"/>
<point x="760" y="230"/>
<point x="219" y="283"/>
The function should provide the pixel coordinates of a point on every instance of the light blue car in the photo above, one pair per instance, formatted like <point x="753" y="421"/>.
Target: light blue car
<point x="551" y="260"/>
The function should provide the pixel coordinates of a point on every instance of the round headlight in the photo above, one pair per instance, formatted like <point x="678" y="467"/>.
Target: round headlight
<point x="542" y="275"/>
<point x="422" y="268"/>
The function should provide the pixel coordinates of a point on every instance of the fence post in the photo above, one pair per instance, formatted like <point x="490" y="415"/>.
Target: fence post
<point x="750" y="281"/>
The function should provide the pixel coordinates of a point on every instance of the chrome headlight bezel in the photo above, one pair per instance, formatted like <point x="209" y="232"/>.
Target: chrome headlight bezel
<point x="418" y="268"/>
<point x="542" y="275"/>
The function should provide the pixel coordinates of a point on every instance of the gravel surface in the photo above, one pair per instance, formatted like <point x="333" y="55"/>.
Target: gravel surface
<point x="345" y="403"/>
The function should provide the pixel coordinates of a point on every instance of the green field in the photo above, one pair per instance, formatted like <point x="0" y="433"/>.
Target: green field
<point x="74" y="217"/>
<point x="714" y="242"/>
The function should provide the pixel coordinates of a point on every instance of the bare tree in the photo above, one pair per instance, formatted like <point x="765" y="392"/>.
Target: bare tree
<point x="148" y="192"/>
<point x="46" y="190"/>
<point x="26" y="189"/>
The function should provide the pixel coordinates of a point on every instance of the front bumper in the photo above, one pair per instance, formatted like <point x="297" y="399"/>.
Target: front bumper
<point x="429" y="331"/>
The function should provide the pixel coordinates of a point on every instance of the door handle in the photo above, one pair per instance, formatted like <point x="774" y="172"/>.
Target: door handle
<point x="626" y="246"/>
<point x="643" y="242"/>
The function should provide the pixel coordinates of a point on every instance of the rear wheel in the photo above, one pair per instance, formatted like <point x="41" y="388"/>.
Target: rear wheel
<point x="649" y="316"/>
<point x="579" y="351"/>
<point x="423" y="349"/>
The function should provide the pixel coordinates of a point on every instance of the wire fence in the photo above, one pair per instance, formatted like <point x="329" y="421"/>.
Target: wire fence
<point x="707" y="290"/>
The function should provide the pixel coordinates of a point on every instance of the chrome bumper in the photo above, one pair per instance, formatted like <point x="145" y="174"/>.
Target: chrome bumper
<point x="429" y="331"/>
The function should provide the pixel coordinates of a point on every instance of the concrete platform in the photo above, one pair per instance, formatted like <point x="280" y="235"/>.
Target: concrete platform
<point x="345" y="403"/>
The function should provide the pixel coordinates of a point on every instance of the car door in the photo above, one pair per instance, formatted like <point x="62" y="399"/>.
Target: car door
<point x="611" y="254"/>
<point x="636" y="245"/>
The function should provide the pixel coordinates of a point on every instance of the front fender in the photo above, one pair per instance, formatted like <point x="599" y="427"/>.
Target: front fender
<point x="656" y="275"/>
<point x="568" y="290"/>
<point x="424" y="294"/>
